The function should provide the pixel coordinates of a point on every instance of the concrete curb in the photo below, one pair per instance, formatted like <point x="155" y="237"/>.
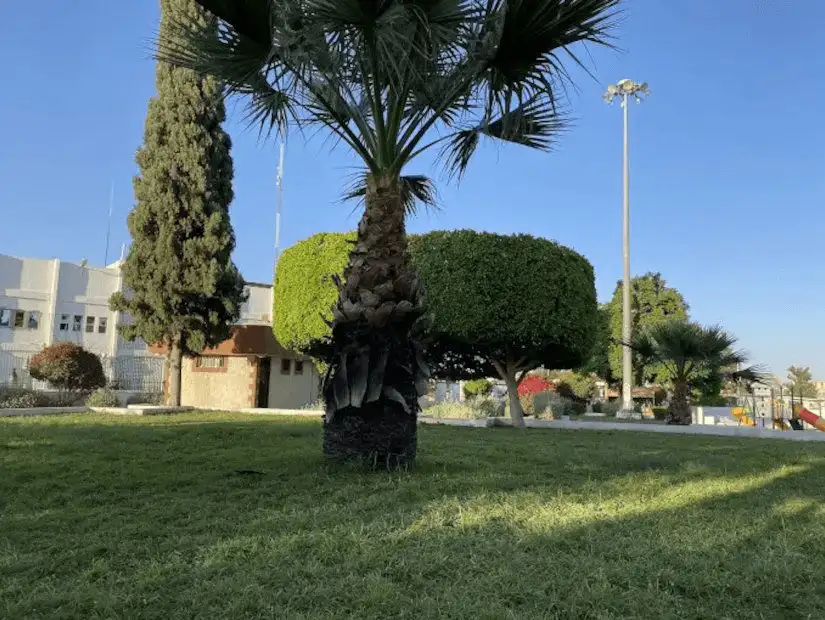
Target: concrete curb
<point x="141" y="410"/>
<point x="285" y="412"/>
<point x="718" y="431"/>
<point x="479" y="423"/>
<point x="35" y="411"/>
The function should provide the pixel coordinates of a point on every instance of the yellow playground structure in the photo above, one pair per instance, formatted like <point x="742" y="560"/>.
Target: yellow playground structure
<point x="798" y="415"/>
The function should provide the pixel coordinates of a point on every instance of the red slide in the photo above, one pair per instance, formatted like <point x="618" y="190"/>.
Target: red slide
<point x="812" y="419"/>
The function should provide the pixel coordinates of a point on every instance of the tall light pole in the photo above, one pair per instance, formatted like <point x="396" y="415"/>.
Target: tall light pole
<point x="624" y="89"/>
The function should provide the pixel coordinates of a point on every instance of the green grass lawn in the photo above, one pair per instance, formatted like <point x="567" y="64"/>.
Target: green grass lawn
<point x="113" y="517"/>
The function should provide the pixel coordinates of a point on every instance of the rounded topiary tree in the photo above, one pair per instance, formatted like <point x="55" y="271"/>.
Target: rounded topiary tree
<point x="504" y="305"/>
<point x="500" y="305"/>
<point x="69" y="368"/>
<point x="305" y="291"/>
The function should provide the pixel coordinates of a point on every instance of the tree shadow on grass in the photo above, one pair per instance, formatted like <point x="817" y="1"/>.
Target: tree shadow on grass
<point x="148" y="520"/>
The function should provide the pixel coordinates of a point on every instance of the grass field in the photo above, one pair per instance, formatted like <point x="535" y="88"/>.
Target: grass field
<point x="105" y="517"/>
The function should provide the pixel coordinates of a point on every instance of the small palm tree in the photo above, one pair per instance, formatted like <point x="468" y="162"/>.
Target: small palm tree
<point x="692" y="355"/>
<point x="391" y="79"/>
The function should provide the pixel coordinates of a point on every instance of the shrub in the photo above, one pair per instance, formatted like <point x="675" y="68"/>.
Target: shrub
<point x="477" y="408"/>
<point x="573" y="385"/>
<point x="68" y="366"/>
<point x="477" y="387"/>
<point x="611" y="407"/>
<point x="103" y="398"/>
<point x="712" y="401"/>
<point x="660" y="413"/>
<point x="145" y="398"/>
<point x="578" y="408"/>
<point x="550" y="405"/>
<point x="18" y="398"/>
<point x="534" y="384"/>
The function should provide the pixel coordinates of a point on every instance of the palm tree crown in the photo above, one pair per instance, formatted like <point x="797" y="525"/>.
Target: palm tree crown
<point x="692" y="353"/>
<point x="688" y="351"/>
<point x="394" y="78"/>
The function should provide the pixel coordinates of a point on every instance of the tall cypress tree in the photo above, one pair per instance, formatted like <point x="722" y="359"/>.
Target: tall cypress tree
<point x="184" y="290"/>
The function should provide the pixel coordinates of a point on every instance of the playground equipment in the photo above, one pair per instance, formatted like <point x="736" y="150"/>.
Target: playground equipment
<point x="742" y="417"/>
<point x="799" y="414"/>
<point x="812" y="419"/>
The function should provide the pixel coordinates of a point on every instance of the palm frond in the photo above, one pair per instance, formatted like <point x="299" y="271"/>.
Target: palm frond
<point x="531" y="35"/>
<point x="417" y="191"/>
<point x="533" y="125"/>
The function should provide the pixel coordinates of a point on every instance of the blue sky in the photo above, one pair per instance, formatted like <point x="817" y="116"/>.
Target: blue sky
<point x="727" y="159"/>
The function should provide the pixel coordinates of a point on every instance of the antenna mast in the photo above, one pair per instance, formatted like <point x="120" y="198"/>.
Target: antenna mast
<point x="280" y="183"/>
<point x="109" y="224"/>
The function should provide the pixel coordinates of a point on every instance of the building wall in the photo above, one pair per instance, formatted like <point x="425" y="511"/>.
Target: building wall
<point x="71" y="303"/>
<point x="287" y="388"/>
<point x="230" y="387"/>
<point x="25" y="286"/>
<point x="257" y="310"/>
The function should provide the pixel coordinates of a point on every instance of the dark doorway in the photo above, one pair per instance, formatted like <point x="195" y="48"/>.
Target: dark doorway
<point x="264" y="367"/>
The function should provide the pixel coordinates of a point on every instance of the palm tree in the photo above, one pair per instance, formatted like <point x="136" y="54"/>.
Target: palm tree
<point x="391" y="79"/>
<point x="692" y="355"/>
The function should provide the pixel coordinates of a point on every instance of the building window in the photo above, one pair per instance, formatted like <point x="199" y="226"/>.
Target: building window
<point x="101" y="325"/>
<point x="286" y="366"/>
<point x="90" y="325"/>
<point x="210" y="361"/>
<point x="19" y="318"/>
<point x="34" y="320"/>
<point x="299" y="367"/>
<point x="64" y="322"/>
<point x="5" y="317"/>
<point x="77" y="323"/>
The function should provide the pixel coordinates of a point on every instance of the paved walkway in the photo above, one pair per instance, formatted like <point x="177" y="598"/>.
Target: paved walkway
<point x="694" y="429"/>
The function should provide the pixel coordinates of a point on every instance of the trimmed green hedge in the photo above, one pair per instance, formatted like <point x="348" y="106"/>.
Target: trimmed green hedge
<point x="304" y="290"/>
<point x="487" y="293"/>
<point x="491" y="293"/>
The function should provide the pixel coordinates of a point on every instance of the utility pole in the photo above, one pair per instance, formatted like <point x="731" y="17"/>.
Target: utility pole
<point x="624" y="89"/>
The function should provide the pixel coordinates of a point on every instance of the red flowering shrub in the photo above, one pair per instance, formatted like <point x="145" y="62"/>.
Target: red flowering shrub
<point x="534" y="384"/>
<point x="68" y="366"/>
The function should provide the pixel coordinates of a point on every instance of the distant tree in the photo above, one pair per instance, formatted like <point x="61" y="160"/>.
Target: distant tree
<point x="69" y="368"/>
<point x="692" y="355"/>
<point x="598" y="363"/>
<point x="652" y="303"/>
<point x="184" y="290"/>
<point x="800" y="380"/>
<point x="503" y="305"/>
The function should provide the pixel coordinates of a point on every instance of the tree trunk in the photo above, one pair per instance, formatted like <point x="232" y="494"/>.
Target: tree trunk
<point x="679" y="410"/>
<point x="175" y="366"/>
<point x="516" y="410"/>
<point x="376" y="371"/>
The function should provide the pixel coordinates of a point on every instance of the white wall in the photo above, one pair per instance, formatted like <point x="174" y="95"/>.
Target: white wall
<point x="291" y="391"/>
<point x="25" y="285"/>
<point x="54" y="289"/>
<point x="85" y="292"/>
<point x="257" y="310"/>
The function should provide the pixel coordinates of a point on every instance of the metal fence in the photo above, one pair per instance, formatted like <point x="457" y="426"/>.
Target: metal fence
<point x="124" y="372"/>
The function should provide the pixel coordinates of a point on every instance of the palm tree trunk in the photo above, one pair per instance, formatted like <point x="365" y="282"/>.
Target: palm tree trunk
<point x="376" y="372"/>
<point x="679" y="409"/>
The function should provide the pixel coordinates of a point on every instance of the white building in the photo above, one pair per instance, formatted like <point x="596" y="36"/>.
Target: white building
<point x="43" y="301"/>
